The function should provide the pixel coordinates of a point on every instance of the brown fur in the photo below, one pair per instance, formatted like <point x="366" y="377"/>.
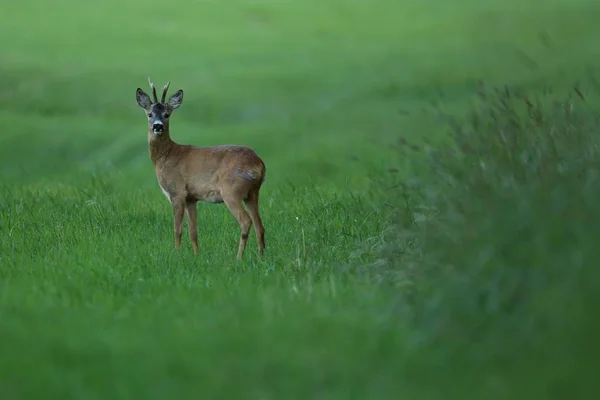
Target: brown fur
<point x="216" y="174"/>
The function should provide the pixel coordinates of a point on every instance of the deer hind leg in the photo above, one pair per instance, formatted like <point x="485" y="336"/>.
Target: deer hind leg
<point x="234" y="203"/>
<point x="178" y="210"/>
<point x="252" y="204"/>
<point x="192" y="216"/>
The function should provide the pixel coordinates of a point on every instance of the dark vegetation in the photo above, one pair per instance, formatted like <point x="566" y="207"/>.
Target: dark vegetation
<point x="495" y="255"/>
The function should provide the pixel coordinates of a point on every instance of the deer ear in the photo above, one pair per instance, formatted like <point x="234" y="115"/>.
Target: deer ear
<point x="175" y="100"/>
<point x="143" y="99"/>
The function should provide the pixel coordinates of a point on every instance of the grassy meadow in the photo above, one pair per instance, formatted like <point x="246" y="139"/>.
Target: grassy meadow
<point x="470" y="279"/>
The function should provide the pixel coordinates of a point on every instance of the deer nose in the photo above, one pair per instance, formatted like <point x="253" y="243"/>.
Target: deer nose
<point x="157" y="127"/>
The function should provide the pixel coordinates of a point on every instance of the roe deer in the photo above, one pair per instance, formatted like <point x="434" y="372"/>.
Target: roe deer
<point x="187" y="174"/>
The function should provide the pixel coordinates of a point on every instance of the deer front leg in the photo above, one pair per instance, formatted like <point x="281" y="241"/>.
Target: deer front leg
<point x="192" y="214"/>
<point x="178" y="209"/>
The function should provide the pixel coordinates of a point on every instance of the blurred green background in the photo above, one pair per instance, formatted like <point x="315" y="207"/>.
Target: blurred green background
<point x="95" y="303"/>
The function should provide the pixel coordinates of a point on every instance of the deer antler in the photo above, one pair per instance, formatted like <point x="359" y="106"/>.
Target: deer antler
<point x="164" y="93"/>
<point x="153" y="90"/>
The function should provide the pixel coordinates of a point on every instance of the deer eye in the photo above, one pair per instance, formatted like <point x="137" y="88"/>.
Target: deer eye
<point x="149" y="115"/>
<point x="167" y="115"/>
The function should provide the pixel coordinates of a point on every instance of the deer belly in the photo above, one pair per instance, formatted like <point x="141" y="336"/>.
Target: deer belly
<point x="209" y="196"/>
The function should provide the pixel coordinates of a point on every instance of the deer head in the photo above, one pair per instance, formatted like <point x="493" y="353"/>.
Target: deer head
<point x="158" y="113"/>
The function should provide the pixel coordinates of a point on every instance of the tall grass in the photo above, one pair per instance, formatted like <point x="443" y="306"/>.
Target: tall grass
<point x="496" y="250"/>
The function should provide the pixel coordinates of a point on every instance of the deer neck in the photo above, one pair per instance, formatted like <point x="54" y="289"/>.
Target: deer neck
<point x="160" y="146"/>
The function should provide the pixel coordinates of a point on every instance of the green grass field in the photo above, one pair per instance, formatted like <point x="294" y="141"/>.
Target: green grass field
<point x="95" y="303"/>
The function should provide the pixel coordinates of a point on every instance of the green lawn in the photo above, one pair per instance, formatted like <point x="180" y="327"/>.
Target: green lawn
<point x="95" y="303"/>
